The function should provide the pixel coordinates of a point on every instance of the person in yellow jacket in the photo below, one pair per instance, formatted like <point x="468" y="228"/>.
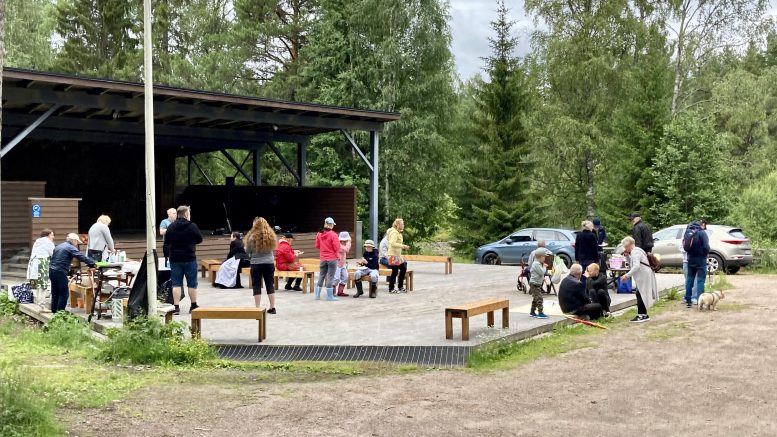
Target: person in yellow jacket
<point x="396" y="263"/>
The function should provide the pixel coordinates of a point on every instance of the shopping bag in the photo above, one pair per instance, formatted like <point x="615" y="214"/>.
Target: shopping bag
<point x="22" y="292"/>
<point x="623" y="286"/>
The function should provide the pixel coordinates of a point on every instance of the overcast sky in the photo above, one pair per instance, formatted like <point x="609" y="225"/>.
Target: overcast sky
<point x="470" y="26"/>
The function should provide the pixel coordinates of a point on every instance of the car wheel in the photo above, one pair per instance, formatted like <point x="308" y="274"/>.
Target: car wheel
<point x="714" y="263"/>
<point x="567" y="260"/>
<point x="492" y="259"/>
<point x="732" y="270"/>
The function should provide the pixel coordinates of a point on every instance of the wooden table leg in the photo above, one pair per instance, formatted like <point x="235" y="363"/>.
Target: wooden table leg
<point x="505" y="317"/>
<point x="196" y="328"/>
<point x="490" y="317"/>
<point x="465" y="328"/>
<point x="261" y="329"/>
<point x="448" y="325"/>
<point x="275" y="281"/>
<point x="410" y="281"/>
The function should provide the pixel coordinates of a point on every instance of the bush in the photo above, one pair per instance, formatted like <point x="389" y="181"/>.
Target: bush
<point x="755" y="209"/>
<point x="148" y="341"/>
<point x="22" y="413"/>
<point x="67" y="330"/>
<point x="8" y="307"/>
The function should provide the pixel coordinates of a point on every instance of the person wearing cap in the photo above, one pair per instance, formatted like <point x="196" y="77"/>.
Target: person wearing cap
<point x="328" y="245"/>
<point x="395" y="260"/>
<point x="368" y="266"/>
<point x="641" y="233"/>
<point x="286" y="260"/>
<point x="536" y="279"/>
<point x="60" y="267"/>
<point x="341" y="274"/>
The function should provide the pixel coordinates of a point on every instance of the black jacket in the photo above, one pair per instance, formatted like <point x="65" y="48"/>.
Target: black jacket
<point x="181" y="240"/>
<point x="597" y="283"/>
<point x="586" y="247"/>
<point x="236" y="248"/>
<point x="372" y="259"/>
<point x="571" y="294"/>
<point x="643" y="237"/>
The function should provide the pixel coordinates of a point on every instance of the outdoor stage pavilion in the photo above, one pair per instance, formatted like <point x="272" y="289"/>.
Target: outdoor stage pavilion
<point x="74" y="147"/>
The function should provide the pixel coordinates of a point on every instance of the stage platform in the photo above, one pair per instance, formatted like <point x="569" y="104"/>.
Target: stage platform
<point x="393" y="327"/>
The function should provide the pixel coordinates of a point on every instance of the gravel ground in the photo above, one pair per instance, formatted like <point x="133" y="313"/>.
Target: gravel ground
<point x="683" y="373"/>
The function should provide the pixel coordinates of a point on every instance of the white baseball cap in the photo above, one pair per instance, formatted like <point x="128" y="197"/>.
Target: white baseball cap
<point x="74" y="236"/>
<point x="329" y="221"/>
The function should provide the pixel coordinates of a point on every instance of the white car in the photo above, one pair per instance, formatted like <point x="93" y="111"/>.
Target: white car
<point x="729" y="248"/>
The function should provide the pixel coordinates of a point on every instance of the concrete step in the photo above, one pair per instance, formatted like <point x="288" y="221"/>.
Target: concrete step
<point x="11" y="266"/>
<point x="14" y="276"/>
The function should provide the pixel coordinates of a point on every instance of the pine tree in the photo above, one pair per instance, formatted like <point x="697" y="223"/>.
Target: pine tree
<point x="100" y="38"/>
<point x="495" y="198"/>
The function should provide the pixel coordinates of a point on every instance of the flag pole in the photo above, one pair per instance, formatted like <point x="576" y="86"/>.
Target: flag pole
<point x="150" y="166"/>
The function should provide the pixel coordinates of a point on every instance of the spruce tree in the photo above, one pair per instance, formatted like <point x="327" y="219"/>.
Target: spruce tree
<point x="494" y="200"/>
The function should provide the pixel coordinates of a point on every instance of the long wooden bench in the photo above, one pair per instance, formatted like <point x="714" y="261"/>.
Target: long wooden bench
<point x="205" y="266"/>
<point x="464" y="312"/>
<point x="229" y="313"/>
<point x="382" y="273"/>
<point x="308" y="278"/>
<point x="433" y="259"/>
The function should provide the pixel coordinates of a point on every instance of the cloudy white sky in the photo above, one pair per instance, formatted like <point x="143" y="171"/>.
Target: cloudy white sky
<point x="470" y="27"/>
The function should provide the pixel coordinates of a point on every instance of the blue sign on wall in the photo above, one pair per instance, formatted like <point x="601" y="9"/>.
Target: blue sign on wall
<point x="36" y="210"/>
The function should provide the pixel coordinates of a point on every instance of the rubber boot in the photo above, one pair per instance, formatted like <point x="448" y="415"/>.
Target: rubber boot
<point x="373" y="290"/>
<point x="341" y="290"/>
<point x="317" y="293"/>
<point x="330" y="294"/>
<point x="359" y="289"/>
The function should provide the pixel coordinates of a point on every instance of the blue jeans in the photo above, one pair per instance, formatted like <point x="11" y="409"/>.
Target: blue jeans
<point x="695" y="276"/>
<point x="59" y="291"/>
<point x="187" y="269"/>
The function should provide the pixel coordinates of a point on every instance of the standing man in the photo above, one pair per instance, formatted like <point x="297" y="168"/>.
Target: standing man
<point x="181" y="240"/>
<point x="60" y="267"/>
<point x="641" y="233"/>
<point x="696" y="244"/>
<point x="171" y="215"/>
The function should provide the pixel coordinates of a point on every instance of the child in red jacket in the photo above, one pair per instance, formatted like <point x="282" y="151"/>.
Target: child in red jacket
<point x="286" y="260"/>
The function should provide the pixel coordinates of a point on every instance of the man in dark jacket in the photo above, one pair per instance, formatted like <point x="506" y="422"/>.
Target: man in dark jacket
<point x="698" y="249"/>
<point x="181" y="240"/>
<point x="572" y="297"/>
<point x="641" y="233"/>
<point x="59" y="268"/>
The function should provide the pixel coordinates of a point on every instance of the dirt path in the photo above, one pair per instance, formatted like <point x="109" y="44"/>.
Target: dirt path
<point x="683" y="373"/>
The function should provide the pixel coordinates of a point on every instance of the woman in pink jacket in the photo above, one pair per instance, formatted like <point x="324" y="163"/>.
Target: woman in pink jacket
<point x="328" y="245"/>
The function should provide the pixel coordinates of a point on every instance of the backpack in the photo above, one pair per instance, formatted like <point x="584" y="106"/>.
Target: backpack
<point x="653" y="262"/>
<point x="692" y="240"/>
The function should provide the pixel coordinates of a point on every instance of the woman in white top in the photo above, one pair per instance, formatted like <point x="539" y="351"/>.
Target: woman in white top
<point x="644" y="279"/>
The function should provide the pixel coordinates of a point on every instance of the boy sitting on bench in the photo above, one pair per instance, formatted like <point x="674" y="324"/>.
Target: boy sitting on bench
<point x="368" y="265"/>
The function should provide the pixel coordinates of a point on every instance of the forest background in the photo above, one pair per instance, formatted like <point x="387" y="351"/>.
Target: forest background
<point x="665" y="107"/>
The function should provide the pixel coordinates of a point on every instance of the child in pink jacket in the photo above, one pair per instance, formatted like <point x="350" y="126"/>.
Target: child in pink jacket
<point x="341" y="274"/>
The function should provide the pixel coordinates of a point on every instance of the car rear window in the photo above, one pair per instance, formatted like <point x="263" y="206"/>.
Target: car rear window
<point x="545" y="235"/>
<point x="737" y="233"/>
<point x="561" y="237"/>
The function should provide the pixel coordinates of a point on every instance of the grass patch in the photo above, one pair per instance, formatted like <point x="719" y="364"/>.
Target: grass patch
<point x="22" y="412"/>
<point x="673" y="294"/>
<point x="504" y="355"/>
<point x="666" y="332"/>
<point x="719" y="282"/>
<point x="8" y="307"/>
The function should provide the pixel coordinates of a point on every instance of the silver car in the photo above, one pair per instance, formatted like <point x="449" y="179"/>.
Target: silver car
<point x="729" y="248"/>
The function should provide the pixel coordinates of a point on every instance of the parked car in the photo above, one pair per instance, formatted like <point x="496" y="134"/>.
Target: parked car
<point x="516" y="247"/>
<point x="730" y="250"/>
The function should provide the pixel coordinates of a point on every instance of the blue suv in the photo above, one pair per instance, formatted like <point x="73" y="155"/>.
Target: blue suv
<point x="516" y="247"/>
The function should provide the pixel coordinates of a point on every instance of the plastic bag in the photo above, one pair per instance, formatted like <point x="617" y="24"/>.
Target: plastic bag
<point x="560" y="270"/>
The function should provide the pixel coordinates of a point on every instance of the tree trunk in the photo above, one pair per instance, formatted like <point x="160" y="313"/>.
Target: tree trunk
<point x="589" y="192"/>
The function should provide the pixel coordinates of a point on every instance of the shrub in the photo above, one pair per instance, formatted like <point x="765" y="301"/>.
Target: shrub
<point x="673" y="294"/>
<point x="22" y="413"/>
<point x="148" y="341"/>
<point x="8" y="307"/>
<point x="67" y="330"/>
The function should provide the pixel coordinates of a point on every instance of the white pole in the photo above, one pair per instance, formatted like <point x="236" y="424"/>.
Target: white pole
<point x="150" y="167"/>
<point x="2" y="63"/>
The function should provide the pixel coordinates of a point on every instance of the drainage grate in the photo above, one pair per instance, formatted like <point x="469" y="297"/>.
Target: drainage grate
<point x="428" y="356"/>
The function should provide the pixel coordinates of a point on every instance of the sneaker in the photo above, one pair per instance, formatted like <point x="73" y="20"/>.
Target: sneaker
<point x="532" y="315"/>
<point x="640" y="318"/>
<point x="541" y="316"/>
<point x="694" y="301"/>
<point x="287" y="287"/>
<point x="297" y="288"/>
<point x="607" y="314"/>
<point x="177" y="311"/>
<point x="393" y="291"/>
<point x="688" y="305"/>
<point x="193" y="307"/>
<point x="402" y="290"/>
<point x="271" y="311"/>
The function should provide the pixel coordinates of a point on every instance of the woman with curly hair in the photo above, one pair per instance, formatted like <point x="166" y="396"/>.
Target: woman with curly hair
<point x="260" y="245"/>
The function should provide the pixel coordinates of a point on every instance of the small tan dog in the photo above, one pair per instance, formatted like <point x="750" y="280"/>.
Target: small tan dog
<point x="710" y="300"/>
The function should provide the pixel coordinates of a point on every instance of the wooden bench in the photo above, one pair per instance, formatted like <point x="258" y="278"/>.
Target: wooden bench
<point x="308" y="278"/>
<point x="381" y="272"/>
<point x="464" y="312"/>
<point x="205" y="266"/>
<point x="433" y="259"/>
<point x="229" y="313"/>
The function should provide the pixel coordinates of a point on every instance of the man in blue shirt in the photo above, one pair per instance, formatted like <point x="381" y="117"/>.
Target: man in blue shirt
<point x="60" y="267"/>
<point x="171" y="216"/>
